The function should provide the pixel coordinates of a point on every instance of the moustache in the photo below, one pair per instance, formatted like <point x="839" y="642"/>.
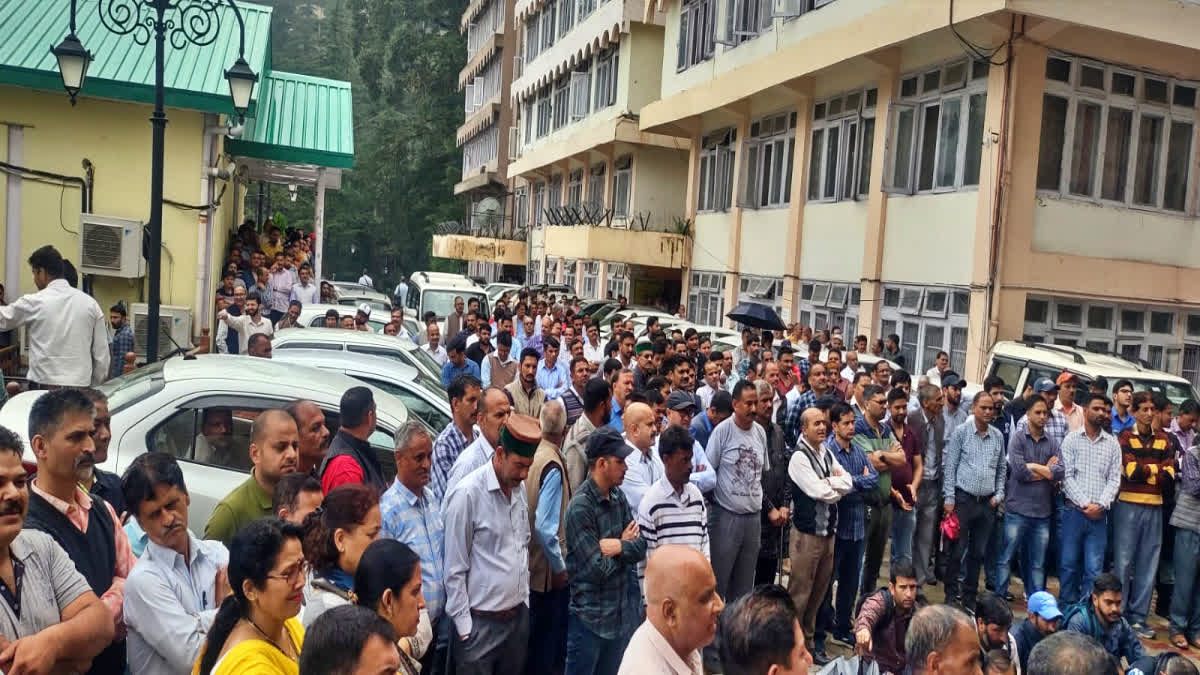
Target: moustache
<point x="86" y="459"/>
<point x="11" y="508"/>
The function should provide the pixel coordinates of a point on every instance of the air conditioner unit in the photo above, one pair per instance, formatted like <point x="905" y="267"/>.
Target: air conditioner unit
<point x="110" y="247"/>
<point x="174" y="328"/>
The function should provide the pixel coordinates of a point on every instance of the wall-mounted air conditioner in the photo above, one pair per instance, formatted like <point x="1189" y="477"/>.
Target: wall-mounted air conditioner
<point x="111" y="247"/>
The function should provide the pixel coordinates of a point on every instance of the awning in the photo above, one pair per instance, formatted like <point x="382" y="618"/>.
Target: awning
<point x="301" y="120"/>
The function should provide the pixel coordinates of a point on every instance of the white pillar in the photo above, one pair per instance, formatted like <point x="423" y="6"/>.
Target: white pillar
<point x="12" y="216"/>
<point x="319" y="225"/>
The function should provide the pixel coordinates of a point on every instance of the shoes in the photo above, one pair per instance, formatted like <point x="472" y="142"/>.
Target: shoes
<point x="1143" y="631"/>
<point x="819" y="657"/>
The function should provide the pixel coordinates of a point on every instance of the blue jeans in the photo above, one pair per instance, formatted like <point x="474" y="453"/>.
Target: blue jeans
<point x="590" y="654"/>
<point x="1082" y="542"/>
<point x="1185" y="607"/>
<point x="1032" y="535"/>
<point x="847" y="567"/>
<point x="1137" y="534"/>
<point x="904" y="524"/>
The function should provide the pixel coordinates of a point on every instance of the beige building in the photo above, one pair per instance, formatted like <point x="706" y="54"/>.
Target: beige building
<point x="953" y="172"/>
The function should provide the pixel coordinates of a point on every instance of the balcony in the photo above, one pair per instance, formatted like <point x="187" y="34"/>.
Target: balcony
<point x="497" y="243"/>
<point x="654" y="246"/>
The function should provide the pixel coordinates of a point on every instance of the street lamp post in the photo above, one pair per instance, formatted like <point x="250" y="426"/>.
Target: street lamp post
<point x="196" y="22"/>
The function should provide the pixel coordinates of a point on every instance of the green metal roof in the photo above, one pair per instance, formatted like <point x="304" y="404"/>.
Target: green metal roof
<point x="302" y="120"/>
<point x="123" y="69"/>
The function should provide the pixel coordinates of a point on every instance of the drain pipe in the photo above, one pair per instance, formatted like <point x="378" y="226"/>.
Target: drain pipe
<point x="204" y="233"/>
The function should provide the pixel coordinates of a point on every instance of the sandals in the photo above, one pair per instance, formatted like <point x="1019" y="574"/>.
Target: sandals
<point x="1179" y="641"/>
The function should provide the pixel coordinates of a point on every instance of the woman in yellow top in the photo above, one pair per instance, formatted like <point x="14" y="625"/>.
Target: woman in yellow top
<point x="256" y="631"/>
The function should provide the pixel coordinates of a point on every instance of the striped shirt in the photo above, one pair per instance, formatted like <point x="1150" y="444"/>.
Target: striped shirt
<point x="446" y="449"/>
<point x="791" y="421"/>
<point x="417" y="521"/>
<point x="1091" y="468"/>
<point x="1056" y="427"/>
<point x="975" y="464"/>
<point x="667" y="517"/>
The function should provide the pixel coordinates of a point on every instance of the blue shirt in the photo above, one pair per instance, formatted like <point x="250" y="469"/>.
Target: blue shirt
<point x="450" y="371"/>
<point x="1120" y="424"/>
<point x="852" y="511"/>
<point x="417" y="521"/>
<point x="974" y="464"/>
<point x="614" y="418"/>
<point x="553" y="380"/>
<point x="701" y="429"/>
<point x="791" y="422"/>
<point x="446" y="449"/>
<point x="546" y="519"/>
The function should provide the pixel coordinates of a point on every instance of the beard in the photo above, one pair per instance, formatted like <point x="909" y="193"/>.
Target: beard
<point x="85" y="466"/>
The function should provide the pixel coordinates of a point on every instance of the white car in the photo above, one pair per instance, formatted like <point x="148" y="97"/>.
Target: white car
<point x="495" y="290"/>
<point x="164" y="407"/>
<point x="422" y="395"/>
<point x="389" y="346"/>
<point x="313" y="316"/>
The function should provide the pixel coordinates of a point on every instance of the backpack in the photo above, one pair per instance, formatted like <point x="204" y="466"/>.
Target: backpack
<point x="1090" y="623"/>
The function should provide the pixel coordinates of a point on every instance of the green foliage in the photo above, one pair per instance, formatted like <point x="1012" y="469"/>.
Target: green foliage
<point x="403" y="58"/>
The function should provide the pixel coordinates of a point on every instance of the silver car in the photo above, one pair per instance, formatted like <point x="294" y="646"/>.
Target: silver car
<point x="363" y="342"/>
<point x="200" y="410"/>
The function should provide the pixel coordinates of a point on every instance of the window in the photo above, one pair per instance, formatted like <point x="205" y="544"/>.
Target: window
<point x="581" y="92"/>
<point x="769" y="153"/>
<point x="706" y="298"/>
<point x="534" y="274"/>
<point x="936" y="130"/>
<point x="533" y="42"/>
<point x="763" y="290"/>
<point x="562" y="99"/>
<point x="552" y="270"/>
<point x="716" y="170"/>
<point x="575" y="189"/>
<point x="528" y="114"/>
<point x="586" y="7"/>
<point x="745" y="19"/>
<point x="591" y="274"/>
<point x="595" y="188"/>
<point x="697" y="30"/>
<point x="1114" y="135"/>
<point x="521" y="207"/>
<point x="569" y="267"/>
<point x="840" y="156"/>
<point x="928" y="320"/>
<point x="618" y="280"/>
<point x="547" y="24"/>
<point x="622" y="185"/>
<point x="481" y="149"/>
<point x="606" y="78"/>
<point x="539" y="204"/>
<point x="566" y="16"/>
<point x="544" y="117"/>
<point x="555" y="197"/>
<point x="1133" y="332"/>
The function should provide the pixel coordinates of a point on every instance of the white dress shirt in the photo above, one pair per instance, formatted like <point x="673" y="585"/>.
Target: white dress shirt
<point x="642" y="469"/>
<point x="365" y="280"/>
<point x="487" y="548"/>
<point x="307" y="294"/>
<point x="438" y="354"/>
<point x="170" y="604"/>
<point x="68" y="337"/>
<point x="245" y="327"/>
<point x="828" y="490"/>
<point x="593" y="354"/>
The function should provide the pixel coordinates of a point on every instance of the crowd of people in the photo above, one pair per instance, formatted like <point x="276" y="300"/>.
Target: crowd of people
<point x="644" y="504"/>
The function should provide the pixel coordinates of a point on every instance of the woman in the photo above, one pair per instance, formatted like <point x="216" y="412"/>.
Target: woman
<point x="388" y="582"/>
<point x="255" y="629"/>
<point x="335" y="536"/>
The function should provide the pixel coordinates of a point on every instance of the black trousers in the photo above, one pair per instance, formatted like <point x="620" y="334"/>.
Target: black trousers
<point x="976" y="518"/>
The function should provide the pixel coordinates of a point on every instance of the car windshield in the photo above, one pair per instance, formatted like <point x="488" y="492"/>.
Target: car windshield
<point x="429" y="383"/>
<point x="441" y="303"/>
<point x="1176" y="392"/>
<point x="133" y="387"/>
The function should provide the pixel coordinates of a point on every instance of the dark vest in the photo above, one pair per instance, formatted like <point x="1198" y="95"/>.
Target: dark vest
<point x="809" y="515"/>
<point x="345" y="444"/>
<point x="231" y="335"/>
<point x="94" y="554"/>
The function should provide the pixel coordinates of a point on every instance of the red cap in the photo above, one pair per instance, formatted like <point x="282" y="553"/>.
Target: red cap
<point x="1064" y="377"/>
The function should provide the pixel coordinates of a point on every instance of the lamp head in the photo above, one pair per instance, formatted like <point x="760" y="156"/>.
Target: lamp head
<point x="73" y="61"/>
<point x="241" y="85"/>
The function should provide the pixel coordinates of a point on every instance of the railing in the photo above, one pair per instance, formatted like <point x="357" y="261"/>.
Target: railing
<point x="491" y="226"/>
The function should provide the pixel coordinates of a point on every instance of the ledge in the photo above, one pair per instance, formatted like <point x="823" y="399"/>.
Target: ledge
<point x="649" y="248"/>
<point x="479" y="249"/>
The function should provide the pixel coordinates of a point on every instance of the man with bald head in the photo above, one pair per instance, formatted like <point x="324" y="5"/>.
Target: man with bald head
<point x="314" y="435"/>
<point x="818" y="483"/>
<point x="682" y="606"/>
<point x="274" y="447"/>
<point x="643" y="466"/>
<point x="494" y="412"/>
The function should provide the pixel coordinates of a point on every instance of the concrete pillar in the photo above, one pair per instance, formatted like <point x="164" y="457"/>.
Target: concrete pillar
<point x="872" y="262"/>
<point x="319" y="224"/>
<point x="795" y="222"/>
<point x="12" y="215"/>
<point x="690" y="205"/>
<point x="733" y="262"/>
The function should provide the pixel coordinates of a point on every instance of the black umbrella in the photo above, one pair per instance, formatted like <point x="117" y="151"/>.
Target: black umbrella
<point x="756" y="316"/>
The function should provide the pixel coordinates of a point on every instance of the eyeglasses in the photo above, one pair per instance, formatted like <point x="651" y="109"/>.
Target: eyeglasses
<point x="300" y="571"/>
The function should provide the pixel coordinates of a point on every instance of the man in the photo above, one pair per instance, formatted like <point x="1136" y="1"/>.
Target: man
<point x="122" y="339"/>
<point x="291" y="319"/>
<point x="60" y="431"/>
<point x="481" y="343"/>
<point x="410" y="513"/>
<point x="858" y="402"/>
<point x="1147" y="468"/>
<point x="524" y="393"/>
<point x="1056" y="422"/>
<point x="1043" y="619"/>
<point x="760" y="634"/>
<point x="548" y="492"/>
<point x="883" y="619"/>
<point x="572" y="398"/>
<point x="644" y="468"/>
<point x="365" y="279"/>
<point x="604" y="547"/>
<point x="61" y="625"/>
<point x="818" y="483"/>
<point x="818" y="387"/>
<point x="313" y="434"/>
<point x="753" y="348"/>
<point x="457" y="362"/>
<point x="273" y="452"/>
<point x="973" y="489"/>
<point x="499" y="367"/>
<point x="249" y="323"/>
<point x="874" y="437"/>
<point x="168" y="625"/>
<point x="928" y="424"/>
<point x="456" y="320"/>
<point x="1101" y="620"/>
<point x="398" y="320"/>
<point x="93" y="480"/>
<point x="682" y="610"/>
<point x="494" y="416"/>
<point x="487" y="546"/>
<point x="849" y="544"/>
<point x="881" y="373"/>
<point x="737" y="451"/>
<point x="597" y="406"/>
<point x="712" y="382"/>
<point x="1183" y="426"/>
<point x="1092" y="464"/>
<point x="941" y="363"/>
<point x="833" y="369"/>
<point x="1122" y="414"/>
<point x="993" y="619"/>
<point x="851" y="366"/>
<point x="68" y="343"/>
<point x="259" y="345"/>
<point x="1071" y="653"/>
<point x="622" y="390"/>
<point x="1184" y="612"/>
<point x="280" y="282"/>
<point x="891" y="350"/>
<point x="593" y="351"/>
<point x="465" y="395"/>
<point x="672" y="511"/>
<point x="351" y="459"/>
<point x="296" y="495"/>
<point x="305" y="291"/>
<point x="349" y="640"/>
<point x="906" y="476"/>
<point x="1035" y="468"/>
<point x="400" y="293"/>
<point x="717" y="412"/>
<point x="1067" y="384"/>
<point x="432" y="346"/>
<point x="941" y="640"/>
<point x="552" y="375"/>
<point x="227" y="339"/>
<point x="952" y="410"/>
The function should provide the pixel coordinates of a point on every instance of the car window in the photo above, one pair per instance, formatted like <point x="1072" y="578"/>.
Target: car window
<point x="393" y="354"/>
<point x="1009" y="371"/>
<point x="383" y="442"/>
<point x="216" y="436"/>
<point x="434" y="419"/>
<point x="331" y="346"/>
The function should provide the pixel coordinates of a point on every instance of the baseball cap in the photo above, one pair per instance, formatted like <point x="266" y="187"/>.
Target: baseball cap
<point x="1044" y="385"/>
<point x="365" y="309"/>
<point x="1044" y="605"/>
<point x="1065" y="377"/>
<point x="722" y="402"/>
<point x="605" y="442"/>
<point x="951" y="379"/>
<point x="681" y="400"/>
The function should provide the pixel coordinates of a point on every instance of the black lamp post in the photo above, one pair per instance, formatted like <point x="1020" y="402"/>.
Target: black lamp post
<point x="196" y="22"/>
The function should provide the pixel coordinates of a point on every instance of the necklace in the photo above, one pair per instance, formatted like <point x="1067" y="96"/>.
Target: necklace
<point x="272" y="640"/>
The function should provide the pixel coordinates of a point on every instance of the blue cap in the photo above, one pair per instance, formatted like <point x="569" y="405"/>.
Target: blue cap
<point x="1043" y="385"/>
<point x="1044" y="605"/>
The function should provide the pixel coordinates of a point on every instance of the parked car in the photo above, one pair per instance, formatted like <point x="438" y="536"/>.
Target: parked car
<point x="435" y="292"/>
<point x="495" y="290"/>
<point x="313" y="316"/>
<point x="397" y="348"/>
<point x="162" y="408"/>
<point x="422" y="395"/>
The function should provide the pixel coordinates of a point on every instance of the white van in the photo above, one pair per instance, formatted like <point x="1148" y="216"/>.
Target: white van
<point x="435" y="292"/>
